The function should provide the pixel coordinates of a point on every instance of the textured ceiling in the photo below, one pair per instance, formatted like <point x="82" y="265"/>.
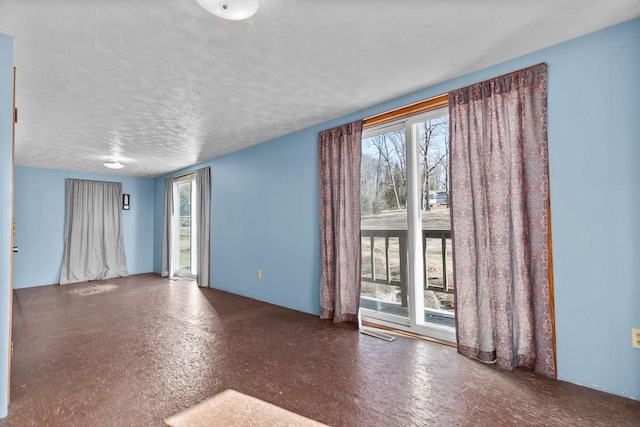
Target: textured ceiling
<point x="161" y="84"/>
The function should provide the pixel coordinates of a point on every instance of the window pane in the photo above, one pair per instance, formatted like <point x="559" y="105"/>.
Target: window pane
<point x="383" y="183"/>
<point x="434" y="200"/>
<point x="394" y="258"/>
<point x="380" y="260"/>
<point x="366" y="258"/>
<point x="184" y="226"/>
<point x="383" y="202"/>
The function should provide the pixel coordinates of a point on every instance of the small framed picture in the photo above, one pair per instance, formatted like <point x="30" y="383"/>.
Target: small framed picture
<point x="125" y="202"/>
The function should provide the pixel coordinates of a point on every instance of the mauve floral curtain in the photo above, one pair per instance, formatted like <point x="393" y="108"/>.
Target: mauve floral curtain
<point x="339" y="175"/>
<point x="500" y="220"/>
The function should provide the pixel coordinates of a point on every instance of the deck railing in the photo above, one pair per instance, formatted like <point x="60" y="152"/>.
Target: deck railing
<point x="395" y="273"/>
<point x="445" y="286"/>
<point x="396" y="277"/>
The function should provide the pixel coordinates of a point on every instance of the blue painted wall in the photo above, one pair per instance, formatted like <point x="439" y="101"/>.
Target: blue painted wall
<point x="265" y="209"/>
<point x="6" y="116"/>
<point x="263" y="216"/>
<point x="39" y="217"/>
<point x="594" y="137"/>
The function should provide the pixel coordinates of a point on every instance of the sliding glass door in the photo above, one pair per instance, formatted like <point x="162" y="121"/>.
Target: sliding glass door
<point x="383" y="225"/>
<point x="405" y="229"/>
<point x="185" y="227"/>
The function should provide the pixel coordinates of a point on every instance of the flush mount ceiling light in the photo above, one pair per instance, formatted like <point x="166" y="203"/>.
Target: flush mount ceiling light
<point x="234" y="10"/>
<point x="113" y="165"/>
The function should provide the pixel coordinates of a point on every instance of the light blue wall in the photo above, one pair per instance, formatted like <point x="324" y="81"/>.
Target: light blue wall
<point x="264" y="216"/>
<point x="6" y="116"/>
<point x="264" y="206"/>
<point x="594" y="137"/>
<point x="39" y="217"/>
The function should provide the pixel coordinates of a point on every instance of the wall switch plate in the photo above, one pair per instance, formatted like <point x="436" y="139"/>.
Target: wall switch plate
<point x="259" y="274"/>
<point x="635" y="334"/>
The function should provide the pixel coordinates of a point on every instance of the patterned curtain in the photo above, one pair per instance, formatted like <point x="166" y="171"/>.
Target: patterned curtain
<point x="339" y="155"/>
<point x="500" y="221"/>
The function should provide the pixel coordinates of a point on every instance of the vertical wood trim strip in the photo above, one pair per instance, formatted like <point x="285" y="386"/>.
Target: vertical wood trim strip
<point x="552" y="310"/>
<point x="13" y="157"/>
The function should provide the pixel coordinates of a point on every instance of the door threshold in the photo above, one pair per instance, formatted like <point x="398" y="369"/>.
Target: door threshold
<point x="373" y="333"/>
<point x="407" y="333"/>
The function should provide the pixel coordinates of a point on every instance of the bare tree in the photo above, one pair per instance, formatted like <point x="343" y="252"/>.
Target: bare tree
<point x="430" y="130"/>
<point x="446" y="162"/>
<point x="370" y="171"/>
<point x="382" y="142"/>
<point x="390" y="174"/>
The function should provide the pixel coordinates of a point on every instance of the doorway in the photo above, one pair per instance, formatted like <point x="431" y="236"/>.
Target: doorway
<point x="185" y="227"/>
<point x="407" y="273"/>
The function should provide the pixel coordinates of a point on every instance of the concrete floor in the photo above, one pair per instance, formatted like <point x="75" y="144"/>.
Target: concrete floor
<point x="136" y="350"/>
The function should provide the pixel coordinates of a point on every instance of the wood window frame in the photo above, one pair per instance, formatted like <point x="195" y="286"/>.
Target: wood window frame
<point x="407" y="111"/>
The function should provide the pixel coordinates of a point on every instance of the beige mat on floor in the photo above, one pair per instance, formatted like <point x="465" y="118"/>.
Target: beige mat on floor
<point x="231" y="408"/>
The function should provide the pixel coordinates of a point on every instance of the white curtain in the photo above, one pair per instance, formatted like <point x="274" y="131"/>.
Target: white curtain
<point x="93" y="242"/>
<point x="203" y="219"/>
<point x="167" y="230"/>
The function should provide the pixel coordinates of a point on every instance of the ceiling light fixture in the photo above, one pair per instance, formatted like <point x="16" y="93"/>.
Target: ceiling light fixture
<point x="113" y="165"/>
<point x="233" y="10"/>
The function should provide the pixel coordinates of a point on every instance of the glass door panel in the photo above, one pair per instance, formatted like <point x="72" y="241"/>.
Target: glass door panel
<point x="184" y="227"/>
<point x="405" y="226"/>
<point x="184" y="246"/>
<point x="383" y="202"/>
<point x="432" y="134"/>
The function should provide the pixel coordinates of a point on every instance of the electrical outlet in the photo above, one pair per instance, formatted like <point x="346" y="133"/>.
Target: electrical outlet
<point x="259" y="274"/>
<point x="635" y="336"/>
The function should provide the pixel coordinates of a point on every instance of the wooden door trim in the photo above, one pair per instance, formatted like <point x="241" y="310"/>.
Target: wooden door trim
<point x="13" y="155"/>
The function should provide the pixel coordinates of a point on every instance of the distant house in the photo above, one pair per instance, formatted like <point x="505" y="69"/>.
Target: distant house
<point x="442" y="198"/>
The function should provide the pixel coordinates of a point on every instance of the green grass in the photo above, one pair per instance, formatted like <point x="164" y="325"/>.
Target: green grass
<point x="185" y="248"/>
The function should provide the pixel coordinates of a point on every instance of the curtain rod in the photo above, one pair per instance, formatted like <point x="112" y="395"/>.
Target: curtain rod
<point x="188" y="173"/>
<point x="183" y="175"/>
<point x="93" y="180"/>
